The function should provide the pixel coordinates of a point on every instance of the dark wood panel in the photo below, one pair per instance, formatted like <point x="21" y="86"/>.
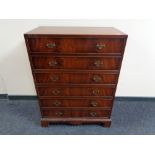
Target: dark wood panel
<point x="75" y="91"/>
<point x="76" y="102"/>
<point x="75" y="113"/>
<point x="78" y="78"/>
<point x="55" y="62"/>
<point x="69" y="45"/>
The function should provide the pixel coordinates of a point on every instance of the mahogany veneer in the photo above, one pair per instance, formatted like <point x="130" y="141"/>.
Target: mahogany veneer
<point x="70" y="45"/>
<point x="56" y="77"/>
<point x="75" y="70"/>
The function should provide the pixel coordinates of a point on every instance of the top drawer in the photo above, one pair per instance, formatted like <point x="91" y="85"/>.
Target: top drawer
<point x="76" y="45"/>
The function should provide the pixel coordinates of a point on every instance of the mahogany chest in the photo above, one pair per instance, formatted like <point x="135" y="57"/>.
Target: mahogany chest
<point x="75" y="71"/>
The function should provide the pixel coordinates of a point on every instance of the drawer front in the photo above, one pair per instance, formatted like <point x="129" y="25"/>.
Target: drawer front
<point x="100" y="63"/>
<point x="78" y="78"/>
<point x="79" y="45"/>
<point x="76" y="103"/>
<point x="75" y="91"/>
<point x="75" y="113"/>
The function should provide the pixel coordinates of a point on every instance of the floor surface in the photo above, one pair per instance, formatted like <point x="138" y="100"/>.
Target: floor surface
<point x="21" y="117"/>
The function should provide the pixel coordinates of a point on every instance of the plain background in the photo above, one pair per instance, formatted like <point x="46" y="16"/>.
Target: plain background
<point x="137" y="75"/>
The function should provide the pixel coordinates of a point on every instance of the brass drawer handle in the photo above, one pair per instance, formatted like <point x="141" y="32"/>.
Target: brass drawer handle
<point x="92" y="114"/>
<point x="54" y="78"/>
<point x="51" y="45"/>
<point x="53" y="63"/>
<point x="100" y="46"/>
<point x="97" y="78"/>
<point x="94" y="103"/>
<point x="56" y="103"/>
<point x="96" y="91"/>
<point x="98" y="63"/>
<point x="56" y="92"/>
<point x="59" y="113"/>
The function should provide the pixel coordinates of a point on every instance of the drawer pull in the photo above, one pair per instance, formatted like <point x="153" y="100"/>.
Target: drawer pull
<point x="59" y="113"/>
<point x="50" y="45"/>
<point x="96" y="91"/>
<point x="98" y="63"/>
<point x="53" y="63"/>
<point x="54" y="78"/>
<point x="56" y="92"/>
<point x="93" y="103"/>
<point x="56" y="103"/>
<point x="97" y="78"/>
<point x="100" y="46"/>
<point x="93" y="114"/>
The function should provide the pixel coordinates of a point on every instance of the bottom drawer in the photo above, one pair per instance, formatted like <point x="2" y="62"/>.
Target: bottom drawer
<point x="75" y="113"/>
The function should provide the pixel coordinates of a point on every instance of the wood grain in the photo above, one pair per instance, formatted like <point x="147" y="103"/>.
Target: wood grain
<point x="75" y="91"/>
<point x="75" y="113"/>
<point x="68" y="62"/>
<point x="79" y="45"/>
<point x="78" y="31"/>
<point x="78" y="78"/>
<point x="99" y="102"/>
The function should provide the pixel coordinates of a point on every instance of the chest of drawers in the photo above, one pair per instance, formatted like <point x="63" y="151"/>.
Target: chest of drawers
<point x="75" y="71"/>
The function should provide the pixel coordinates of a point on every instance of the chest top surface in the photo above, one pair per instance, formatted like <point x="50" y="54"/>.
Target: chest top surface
<point x="88" y="31"/>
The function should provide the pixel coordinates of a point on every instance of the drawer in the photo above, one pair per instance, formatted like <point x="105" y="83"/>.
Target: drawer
<point x="78" y="78"/>
<point x="75" y="91"/>
<point x="76" y="102"/>
<point x="75" y="113"/>
<point x="76" y="45"/>
<point x="87" y="62"/>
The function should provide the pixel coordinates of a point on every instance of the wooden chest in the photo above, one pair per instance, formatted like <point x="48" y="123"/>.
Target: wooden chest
<point x="75" y="70"/>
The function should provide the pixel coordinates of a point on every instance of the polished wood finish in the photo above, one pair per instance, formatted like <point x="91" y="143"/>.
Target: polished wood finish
<point x="76" y="31"/>
<point x="69" y="45"/>
<point x="85" y="103"/>
<point x="61" y="90"/>
<point x="75" y="113"/>
<point x="68" y="62"/>
<point x="75" y="70"/>
<point x="57" y="77"/>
